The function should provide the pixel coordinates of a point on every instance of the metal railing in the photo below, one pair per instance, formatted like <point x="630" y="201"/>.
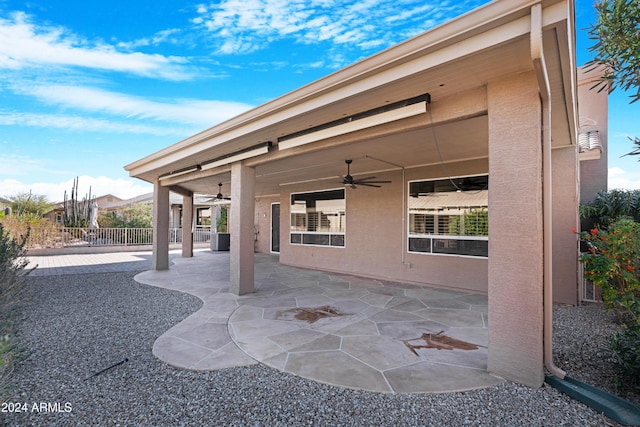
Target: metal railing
<point x="73" y="237"/>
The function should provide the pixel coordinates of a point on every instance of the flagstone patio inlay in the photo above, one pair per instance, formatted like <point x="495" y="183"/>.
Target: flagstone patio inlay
<point x="358" y="342"/>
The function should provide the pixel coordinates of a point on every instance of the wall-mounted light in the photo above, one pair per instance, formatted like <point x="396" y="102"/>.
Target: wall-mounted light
<point x="240" y="155"/>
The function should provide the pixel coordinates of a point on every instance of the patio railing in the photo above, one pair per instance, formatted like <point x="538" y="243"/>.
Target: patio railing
<point x="72" y="237"/>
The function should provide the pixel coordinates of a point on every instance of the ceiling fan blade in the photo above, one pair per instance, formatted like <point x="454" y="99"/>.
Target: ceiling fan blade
<point x="369" y="185"/>
<point x="372" y="182"/>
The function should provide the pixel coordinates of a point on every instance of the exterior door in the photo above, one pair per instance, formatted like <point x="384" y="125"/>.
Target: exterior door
<point x="275" y="227"/>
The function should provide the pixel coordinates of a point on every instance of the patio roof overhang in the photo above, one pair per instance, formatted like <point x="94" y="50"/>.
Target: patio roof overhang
<point x="453" y="63"/>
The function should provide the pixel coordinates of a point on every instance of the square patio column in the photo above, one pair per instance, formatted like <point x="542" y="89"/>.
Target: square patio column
<point x="241" y="228"/>
<point x="515" y="262"/>
<point x="160" y="257"/>
<point x="187" y="225"/>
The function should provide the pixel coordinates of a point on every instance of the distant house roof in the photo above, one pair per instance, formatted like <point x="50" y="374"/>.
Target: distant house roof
<point x="147" y="198"/>
<point x="104" y="202"/>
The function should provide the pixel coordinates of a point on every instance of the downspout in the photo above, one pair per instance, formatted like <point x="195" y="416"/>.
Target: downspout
<point x="539" y="65"/>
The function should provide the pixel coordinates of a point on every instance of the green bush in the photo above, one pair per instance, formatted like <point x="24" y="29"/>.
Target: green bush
<point x="138" y="215"/>
<point x="12" y="273"/>
<point x="613" y="265"/>
<point x="626" y="347"/>
<point x="609" y="206"/>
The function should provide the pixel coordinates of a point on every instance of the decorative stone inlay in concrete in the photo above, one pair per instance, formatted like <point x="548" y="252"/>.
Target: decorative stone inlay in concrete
<point x="439" y="341"/>
<point x="308" y="314"/>
<point x="334" y="328"/>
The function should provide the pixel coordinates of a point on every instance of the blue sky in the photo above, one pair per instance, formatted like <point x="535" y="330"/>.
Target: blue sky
<point x="88" y="87"/>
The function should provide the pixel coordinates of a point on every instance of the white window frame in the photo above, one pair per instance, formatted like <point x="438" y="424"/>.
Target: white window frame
<point x="435" y="236"/>
<point x="329" y="234"/>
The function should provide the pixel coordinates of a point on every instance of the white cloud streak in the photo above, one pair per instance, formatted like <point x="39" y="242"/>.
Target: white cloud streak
<point x="84" y="124"/>
<point x="187" y="111"/>
<point x="17" y="165"/>
<point x="24" y="45"/>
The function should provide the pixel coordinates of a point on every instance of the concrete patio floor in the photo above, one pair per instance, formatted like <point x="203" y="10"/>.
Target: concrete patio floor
<point x="337" y="329"/>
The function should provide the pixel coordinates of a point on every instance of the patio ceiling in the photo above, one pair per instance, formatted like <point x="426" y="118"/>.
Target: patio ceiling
<point x="452" y="63"/>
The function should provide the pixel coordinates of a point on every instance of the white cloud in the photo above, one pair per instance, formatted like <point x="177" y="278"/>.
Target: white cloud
<point x="100" y="186"/>
<point x="84" y="124"/>
<point x="23" y="44"/>
<point x="621" y="179"/>
<point x="20" y="165"/>
<point x="198" y="113"/>
<point x="164" y="36"/>
<point x="243" y="26"/>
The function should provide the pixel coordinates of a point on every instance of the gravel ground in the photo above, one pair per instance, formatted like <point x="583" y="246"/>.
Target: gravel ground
<point x="77" y="325"/>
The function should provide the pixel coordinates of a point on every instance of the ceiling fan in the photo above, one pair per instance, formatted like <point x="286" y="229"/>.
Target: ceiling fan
<point x="219" y="197"/>
<point x="348" y="180"/>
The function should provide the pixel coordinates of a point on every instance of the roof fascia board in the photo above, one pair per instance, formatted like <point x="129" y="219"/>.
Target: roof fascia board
<point x="428" y="50"/>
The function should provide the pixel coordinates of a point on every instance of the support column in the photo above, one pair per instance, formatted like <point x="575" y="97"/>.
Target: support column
<point x="241" y="228"/>
<point x="160" y="257"/>
<point x="515" y="264"/>
<point x="187" y="225"/>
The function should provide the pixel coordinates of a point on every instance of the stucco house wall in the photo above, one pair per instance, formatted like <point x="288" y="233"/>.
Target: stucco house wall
<point x="594" y="106"/>
<point x="375" y="241"/>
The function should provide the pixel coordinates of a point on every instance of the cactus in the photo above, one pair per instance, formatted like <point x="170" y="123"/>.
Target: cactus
<point x="77" y="213"/>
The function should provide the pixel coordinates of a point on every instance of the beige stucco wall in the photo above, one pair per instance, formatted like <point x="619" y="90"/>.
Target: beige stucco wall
<point x="515" y="265"/>
<point x="263" y="222"/>
<point x="565" y="218"/>
<point x="593" y="107"/>
<point x="374" y="235"/>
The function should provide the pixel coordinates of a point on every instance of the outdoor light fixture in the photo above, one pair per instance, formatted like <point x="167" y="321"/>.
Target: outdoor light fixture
<point x="180" y="172"/>
<point x="378" y="116"/>
<point x="254" y="151"/>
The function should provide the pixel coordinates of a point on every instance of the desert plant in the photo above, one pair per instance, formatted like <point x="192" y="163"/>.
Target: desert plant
<point x="612" y="263"/>
<point x="39" y="232"/>
<point x="12" y="272"/>
<point x="608" y="206"/>
<point x="30" y="205"/>
<point x="77" y="212"/>
<point x="625" y="345"/>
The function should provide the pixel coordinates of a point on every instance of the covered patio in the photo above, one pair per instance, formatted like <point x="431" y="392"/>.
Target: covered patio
<point x="337" y="329"/>
<point x="484" y="103"/>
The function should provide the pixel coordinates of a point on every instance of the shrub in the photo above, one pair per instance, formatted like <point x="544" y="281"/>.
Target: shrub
<point x="609" y="206"/>
<point x="612" y="263"/>
<point x="37" y="232"/>
<point x="12" y="273"/>
<point x="626" y="347"/>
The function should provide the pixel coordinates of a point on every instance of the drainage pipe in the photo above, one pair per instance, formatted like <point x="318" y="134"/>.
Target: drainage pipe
<point x="537" y="56"/>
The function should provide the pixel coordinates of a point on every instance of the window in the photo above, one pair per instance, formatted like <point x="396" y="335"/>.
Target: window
<point x="203" y="217"/>
<point x="318" y="218"/>
<point x="449" y="216"/>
